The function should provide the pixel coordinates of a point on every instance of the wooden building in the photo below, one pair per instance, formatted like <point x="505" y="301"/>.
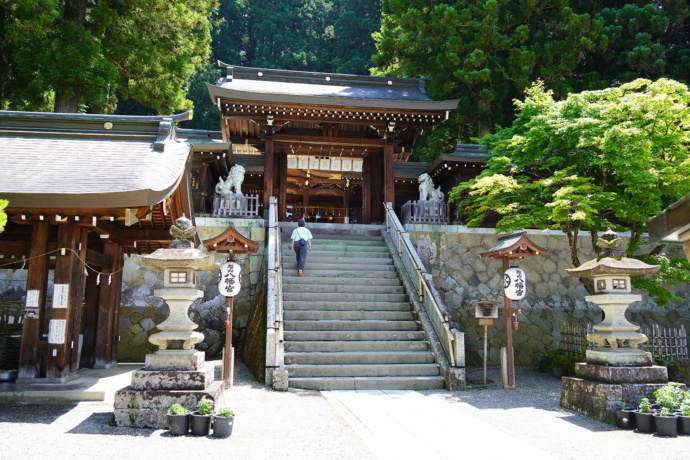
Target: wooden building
<point x="326" y="143"/>
<point x="83" y="191"/>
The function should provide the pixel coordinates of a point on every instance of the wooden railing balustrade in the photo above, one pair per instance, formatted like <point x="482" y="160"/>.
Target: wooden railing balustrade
<point x="425" y="212"/>
<point x="233" y="205"/>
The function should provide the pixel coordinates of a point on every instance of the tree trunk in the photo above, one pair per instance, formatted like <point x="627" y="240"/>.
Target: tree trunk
<point x="572" y="242"/>
<point x="67" y="99"/>
<point x="485" y="123"/>
<point x="595" y="236"/>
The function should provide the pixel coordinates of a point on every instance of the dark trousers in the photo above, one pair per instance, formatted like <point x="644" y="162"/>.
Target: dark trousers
<point x="301" y="255"/>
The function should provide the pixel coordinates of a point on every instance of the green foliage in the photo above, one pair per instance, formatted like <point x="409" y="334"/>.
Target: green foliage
<point x="225" y="412"/>
<point x="665" y="412"/>
<point x="206" y="114"/>
<point x="645" y="406"/>
<point x="556" y="362"/>
<point x="594" y="160"/>
<point x="177" y="409"/>
<point x="205" y="406"/>
<point x="669" y="396"/>
<point x="685" y="405"/>
<point x="3" y="216"/>
<point x="87" y="55"/>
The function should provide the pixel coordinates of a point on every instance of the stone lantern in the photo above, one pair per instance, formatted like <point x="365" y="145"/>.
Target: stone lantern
<point x="616" y="371"/>
<point x="176" y="373"/>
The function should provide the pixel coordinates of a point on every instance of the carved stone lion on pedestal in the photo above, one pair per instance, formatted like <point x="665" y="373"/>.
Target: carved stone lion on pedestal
<point x="234" y="180"/>
<point x="426" y="187"/>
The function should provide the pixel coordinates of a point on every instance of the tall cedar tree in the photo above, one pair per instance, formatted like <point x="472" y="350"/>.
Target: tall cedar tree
<point x="598" y="159"/>
<point x="82" y="55"/>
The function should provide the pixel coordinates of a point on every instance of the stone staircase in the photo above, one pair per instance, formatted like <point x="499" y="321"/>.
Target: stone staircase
<point x="348" y="322"/>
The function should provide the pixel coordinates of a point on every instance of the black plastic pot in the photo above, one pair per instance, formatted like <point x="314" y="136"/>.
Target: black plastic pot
<point x="684" y="425"/>
<point x="178" y="424"/>
<point x="222" y="426"/>
<point x="666" y="426"/>
<point x="201" y="424"/>
<point x="625" y="419"/>
<point x="645" y="422"/>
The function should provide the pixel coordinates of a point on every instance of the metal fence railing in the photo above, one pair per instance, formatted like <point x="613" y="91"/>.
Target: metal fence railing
<point x="451" y="339"/>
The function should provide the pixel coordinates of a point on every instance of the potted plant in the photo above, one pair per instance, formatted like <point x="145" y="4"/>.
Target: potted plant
<point x="201" y="418"/>
<point x="644" y="419"/>
<point x="666" y="423"/>
<point x="178" y="420"/>
<point x="223" y="422"/>
<point x="669" y="396"/>
<point x="625" y="416"/>
<point x="684" y="418"/>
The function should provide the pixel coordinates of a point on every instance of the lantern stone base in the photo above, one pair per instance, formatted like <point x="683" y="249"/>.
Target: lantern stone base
<point x="620" y="357"/>
<point x="598" y="391"/>
<point x="170" y="377"/>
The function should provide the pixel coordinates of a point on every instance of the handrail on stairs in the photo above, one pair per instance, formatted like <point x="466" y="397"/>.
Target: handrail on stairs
<point x="451" y="338"/>
<point x="275" y="355"/>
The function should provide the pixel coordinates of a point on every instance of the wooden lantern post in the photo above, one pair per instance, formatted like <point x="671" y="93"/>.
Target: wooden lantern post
<point x="230" y="242"/>
<point x="509" y="248"/>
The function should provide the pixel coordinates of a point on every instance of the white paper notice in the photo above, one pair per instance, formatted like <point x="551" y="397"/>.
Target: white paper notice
<point x="60" y="293"/>
<point x="32" y="298"/>
<point x="56" y="331"/>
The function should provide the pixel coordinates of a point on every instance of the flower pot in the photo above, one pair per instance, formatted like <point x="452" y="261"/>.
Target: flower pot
<point x="684" y="425"/>
<point x="222" y="426"/>
<point x="625" y="419"/>
<point x="644" y="422"/>
<point x="201" y="424"/>
<point x="666" y="426"/>
<point x="178" y="424"/>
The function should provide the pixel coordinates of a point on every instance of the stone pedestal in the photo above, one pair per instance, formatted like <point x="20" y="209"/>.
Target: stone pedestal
<point x="169" y="377"/>
<point x="598" y="391"/>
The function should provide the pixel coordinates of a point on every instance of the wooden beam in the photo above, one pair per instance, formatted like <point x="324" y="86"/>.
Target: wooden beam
<point x="388" y="174"/>
<point x="268" y="169"/>
<point x="366" y="190"/>
<point x="90" y="319"/>
<point x="117" y="291"/>
<point x="106" y="306"/>
<point x="77" y="299"/>
<point x="96" y="259"/>
<point x="282" y="200"/>
<point x="36" y="282"/>
<point x="328" y="140"/>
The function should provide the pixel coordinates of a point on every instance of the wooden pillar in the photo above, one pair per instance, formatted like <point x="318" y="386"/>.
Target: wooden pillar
<point x="67" y="297"/>
<point x="346" y="204"/>
<point x="115" y="311"/>
<point x="366" y="190"/>
<point x="77" y="299"/>
<point x="36" y="286"/>
<point x="388" y="173"/>
<point x="106" y="306"/>
<point x="268" y="169"/>
<point x="90" y="319"/>
<point x="282" y="200"/>
<point x="507" y="316"/>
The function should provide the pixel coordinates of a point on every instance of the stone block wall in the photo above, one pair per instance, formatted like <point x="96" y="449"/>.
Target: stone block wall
<point x="451" y="254"/>
<point x="141" y="311"/>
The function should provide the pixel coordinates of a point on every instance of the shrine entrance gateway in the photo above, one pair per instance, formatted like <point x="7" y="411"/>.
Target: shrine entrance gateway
<point x="328" y="141"/>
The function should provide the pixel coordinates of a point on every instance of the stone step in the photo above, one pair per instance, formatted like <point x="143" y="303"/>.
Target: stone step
<point x="334" y="272"/>
<point x="368" y="383"/>
<point x="346" y="306"/>
<point x="361" y="370"/>
<point x="312" y="336"/>
<point x="290" y="263"/>
<point x="341" y="262"/>
<point x="345" y="325"/>
<point x="333" y="242"/>
<point x="353" y="315"/>
<point x="366" y="357"/>
<point x="332" y="347"/>
<point x="338" y="288"/>
<point x="343" y="248"/>
<point x="322" y="280"/>
<point x="343" y="297"/>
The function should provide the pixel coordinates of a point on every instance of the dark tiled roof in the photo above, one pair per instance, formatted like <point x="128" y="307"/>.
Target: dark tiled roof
<point x="51" y="160"/>
<point x="672" y="222"/>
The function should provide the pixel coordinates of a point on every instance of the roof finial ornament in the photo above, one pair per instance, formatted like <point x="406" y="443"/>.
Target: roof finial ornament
<point x="182" y="230"/>
<point x="610" y="242"/>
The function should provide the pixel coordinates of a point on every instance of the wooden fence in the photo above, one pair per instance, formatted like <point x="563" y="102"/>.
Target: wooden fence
<point x="426" y="212"/>
<point x="667" y="344"/>
<point x="236" y="205"/>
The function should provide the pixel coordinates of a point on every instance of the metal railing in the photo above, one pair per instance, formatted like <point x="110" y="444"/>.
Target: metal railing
<point x="426" y="212"/>
<point x="275" y="356"/>
<point x="450" y="338"/>
<point x="231" y="204"/>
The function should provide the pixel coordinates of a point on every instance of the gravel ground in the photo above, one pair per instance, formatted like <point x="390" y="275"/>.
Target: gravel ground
<point x="302" y="425"/>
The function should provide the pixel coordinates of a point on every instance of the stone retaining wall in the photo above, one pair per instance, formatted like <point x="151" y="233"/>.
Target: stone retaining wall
<point x="451" y="254"/>
<point x="141" y="311"/>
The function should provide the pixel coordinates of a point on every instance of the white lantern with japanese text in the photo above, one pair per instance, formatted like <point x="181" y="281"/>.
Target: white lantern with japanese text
<point x="230" y="279"/>
<point x="514" y="283"/>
